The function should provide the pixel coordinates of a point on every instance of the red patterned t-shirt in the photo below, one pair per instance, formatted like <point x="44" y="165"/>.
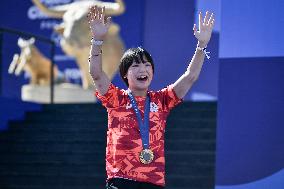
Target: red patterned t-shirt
<point x="124" y="142"/>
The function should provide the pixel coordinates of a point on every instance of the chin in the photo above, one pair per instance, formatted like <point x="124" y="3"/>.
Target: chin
<point x="142" y="86"/>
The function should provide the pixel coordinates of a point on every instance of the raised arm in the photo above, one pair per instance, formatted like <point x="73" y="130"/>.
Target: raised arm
<point x="99" y="25"/>
<point x="203" y="35"/>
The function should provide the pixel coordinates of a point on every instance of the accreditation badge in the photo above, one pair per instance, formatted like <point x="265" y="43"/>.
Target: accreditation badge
<point x="146" y="156"/>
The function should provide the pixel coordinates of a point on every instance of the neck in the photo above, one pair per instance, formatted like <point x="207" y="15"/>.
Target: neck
<point x="136" y="92"/>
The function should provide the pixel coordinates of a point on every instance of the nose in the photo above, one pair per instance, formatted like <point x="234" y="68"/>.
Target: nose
<point x="142" y="66"/>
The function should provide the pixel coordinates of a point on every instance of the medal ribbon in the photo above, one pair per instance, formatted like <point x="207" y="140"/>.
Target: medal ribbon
<point x="143" y="127"/>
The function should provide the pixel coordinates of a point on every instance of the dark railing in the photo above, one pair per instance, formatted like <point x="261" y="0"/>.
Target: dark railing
<point x="40" y="38"/>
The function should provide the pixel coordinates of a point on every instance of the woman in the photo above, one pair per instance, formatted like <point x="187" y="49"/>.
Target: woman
<point x="137" y="117"/>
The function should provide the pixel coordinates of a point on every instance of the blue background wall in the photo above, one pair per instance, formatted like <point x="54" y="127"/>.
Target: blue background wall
<point x="250" y="144"/>
<point x="251" y="28"/>
<point x="248" y="79"/>
<point x="250" y="120"/>
<point x="169" y="37"/>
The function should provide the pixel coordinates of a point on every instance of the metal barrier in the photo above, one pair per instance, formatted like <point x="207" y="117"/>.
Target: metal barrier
<point x="40" y="38"/>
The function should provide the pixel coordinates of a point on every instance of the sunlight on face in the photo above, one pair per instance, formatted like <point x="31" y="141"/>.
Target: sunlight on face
<point x="140" y="75"/>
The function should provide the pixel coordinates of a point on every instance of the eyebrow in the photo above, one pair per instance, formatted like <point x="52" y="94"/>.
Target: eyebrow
<point x="144" y="62"/>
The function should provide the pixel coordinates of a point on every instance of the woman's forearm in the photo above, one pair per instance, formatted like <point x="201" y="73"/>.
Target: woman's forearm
<point x="196" y="63"/>
<point x="95" y="61"/>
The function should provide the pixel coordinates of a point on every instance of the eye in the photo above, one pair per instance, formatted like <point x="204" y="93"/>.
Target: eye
<point x="148" y="64"/>
<point x="134" y="65"/>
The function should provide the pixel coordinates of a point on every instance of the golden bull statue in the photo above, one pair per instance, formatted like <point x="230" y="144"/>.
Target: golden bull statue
<point x="76" y="35"/>
<point x="33" y="62"/>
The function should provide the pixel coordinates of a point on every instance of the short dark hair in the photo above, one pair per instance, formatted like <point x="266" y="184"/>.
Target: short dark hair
<point x="130" y="56"/>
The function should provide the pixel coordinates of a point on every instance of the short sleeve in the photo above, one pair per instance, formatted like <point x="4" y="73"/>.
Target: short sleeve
<point x="169" y="98"/>
<point x="112" y="97"/>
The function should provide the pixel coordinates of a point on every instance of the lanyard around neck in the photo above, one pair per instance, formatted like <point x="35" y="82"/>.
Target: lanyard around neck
<point x="143" y="127"/>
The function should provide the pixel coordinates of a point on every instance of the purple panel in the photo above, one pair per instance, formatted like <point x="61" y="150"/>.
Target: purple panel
<point x="252" y="28"/>
<point x="168" y="37"/>
<point x="250" y="119"/>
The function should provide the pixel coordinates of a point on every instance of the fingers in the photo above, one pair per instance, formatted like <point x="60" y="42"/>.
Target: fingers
<point x="212" y="23"/>
<point x="211" y="19"/>
<point x="207" y="21"/>
<point x="194" y="29"/>
<point x="99" y="13"/>
<point x="91" y="14"/>
<point x="103" y="14"/>
<point x="108" y="21"/>
<point x="206" y="18"/>
<point x="200" y="20"/>
<point x="96" y="13"/>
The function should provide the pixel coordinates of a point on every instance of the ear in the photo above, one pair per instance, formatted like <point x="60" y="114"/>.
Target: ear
<point x="125" y="76"/>
<point x="21" y="42"/>
<point x="32" y="40"/>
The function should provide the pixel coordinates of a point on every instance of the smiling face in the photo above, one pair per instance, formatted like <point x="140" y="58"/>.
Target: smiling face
<point x="136" y="69"/>
<point x="139" y="76"/>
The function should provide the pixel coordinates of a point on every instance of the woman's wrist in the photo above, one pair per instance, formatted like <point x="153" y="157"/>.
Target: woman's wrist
<point x="201" y="44"/>
<point x="97" y="42"/>
<point x="203" y="48"/>
<point x="95" y="54"/>
<point x="96" y="49"/>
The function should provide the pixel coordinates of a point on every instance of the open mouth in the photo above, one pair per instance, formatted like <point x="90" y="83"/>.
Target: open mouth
<point x="142" y="78"/>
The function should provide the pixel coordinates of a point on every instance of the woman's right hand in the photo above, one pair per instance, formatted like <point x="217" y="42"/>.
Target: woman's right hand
<point x="98" y="22"/>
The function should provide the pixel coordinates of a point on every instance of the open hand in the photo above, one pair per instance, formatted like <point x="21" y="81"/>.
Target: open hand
<point x="203" y="34"/>
<point x="98" y="22"/>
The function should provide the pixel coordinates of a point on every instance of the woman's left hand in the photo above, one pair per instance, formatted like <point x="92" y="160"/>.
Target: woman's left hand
<point x="204" y="32"/>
